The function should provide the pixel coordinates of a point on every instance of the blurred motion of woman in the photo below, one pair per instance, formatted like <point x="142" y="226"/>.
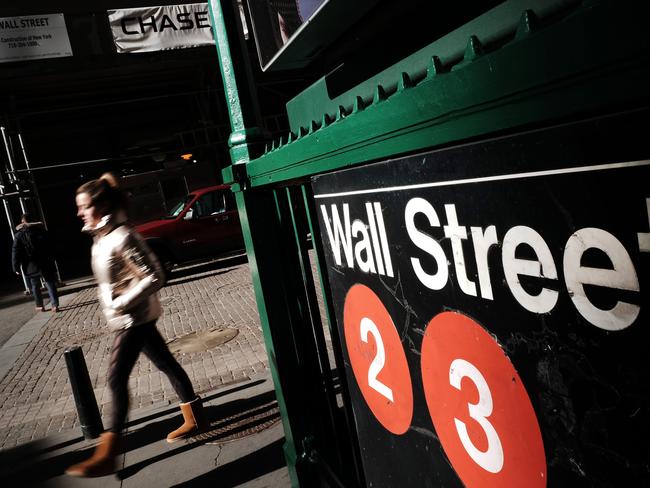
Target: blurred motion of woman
<point x="128" y="277"/>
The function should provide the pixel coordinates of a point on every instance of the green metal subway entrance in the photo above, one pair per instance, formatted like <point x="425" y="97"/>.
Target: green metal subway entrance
<point x="478" y="210"/>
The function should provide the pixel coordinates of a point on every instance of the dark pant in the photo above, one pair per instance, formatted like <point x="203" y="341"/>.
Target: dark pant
<point x="35" y="284"/>
<point x="126" y="348"/>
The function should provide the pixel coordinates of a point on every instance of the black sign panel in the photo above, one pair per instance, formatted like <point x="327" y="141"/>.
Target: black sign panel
<point x="492" y="301"/>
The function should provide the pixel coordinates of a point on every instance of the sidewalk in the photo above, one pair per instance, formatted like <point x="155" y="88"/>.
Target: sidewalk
<point x="211" y="319"/>
<point x="242" y="449"/>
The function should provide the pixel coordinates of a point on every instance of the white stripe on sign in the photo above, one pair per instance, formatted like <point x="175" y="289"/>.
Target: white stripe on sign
<point x="514" y="176"/>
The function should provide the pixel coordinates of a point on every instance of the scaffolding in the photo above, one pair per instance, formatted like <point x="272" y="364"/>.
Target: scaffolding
<point x="18" y="184"/>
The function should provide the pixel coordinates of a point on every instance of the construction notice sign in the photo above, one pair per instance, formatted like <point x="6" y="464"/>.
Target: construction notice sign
<point x="33" y="37"/>
<point x="159" y="28"/>
<point x="492" y="304"/>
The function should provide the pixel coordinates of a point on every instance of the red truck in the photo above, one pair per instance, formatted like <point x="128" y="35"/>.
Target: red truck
<point x="205" y="223"/>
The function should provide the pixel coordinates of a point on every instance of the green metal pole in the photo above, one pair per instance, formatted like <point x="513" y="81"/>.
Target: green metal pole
<point x="243" y="109"/>
<point x="256" y="212"/>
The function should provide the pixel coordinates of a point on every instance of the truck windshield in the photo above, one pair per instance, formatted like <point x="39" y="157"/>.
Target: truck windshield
<point x="178" y="208"/>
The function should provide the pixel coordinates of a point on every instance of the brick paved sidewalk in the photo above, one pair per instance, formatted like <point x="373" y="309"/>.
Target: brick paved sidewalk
<point x="35" y="395"/>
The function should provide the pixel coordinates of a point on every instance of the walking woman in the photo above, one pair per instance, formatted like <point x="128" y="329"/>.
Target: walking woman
<point x="128" y="277"/>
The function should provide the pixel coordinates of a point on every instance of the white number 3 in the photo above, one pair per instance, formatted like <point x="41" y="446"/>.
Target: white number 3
<point x="492" y="459"/>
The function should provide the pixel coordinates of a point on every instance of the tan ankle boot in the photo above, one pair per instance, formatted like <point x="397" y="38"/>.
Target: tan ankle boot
<point x="102" y="462"/>
<point x="194" y="421"/>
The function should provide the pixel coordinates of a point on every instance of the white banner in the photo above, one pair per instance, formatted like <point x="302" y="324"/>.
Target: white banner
<point x="159" y="28"/>
<point x="33" y="37"/>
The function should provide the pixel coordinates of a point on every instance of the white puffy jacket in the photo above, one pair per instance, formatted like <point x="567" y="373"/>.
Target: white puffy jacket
<point x="128" y="274"/>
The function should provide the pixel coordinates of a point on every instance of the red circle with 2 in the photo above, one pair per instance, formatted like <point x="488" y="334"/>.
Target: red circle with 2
<point x="377" y="358"/>
<point x="479" y="406"/>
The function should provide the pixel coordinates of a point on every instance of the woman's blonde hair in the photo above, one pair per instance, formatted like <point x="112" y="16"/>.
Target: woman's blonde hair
<point x="105" y="194"/>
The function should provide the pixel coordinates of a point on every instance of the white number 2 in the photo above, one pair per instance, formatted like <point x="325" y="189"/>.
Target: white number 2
<point x="367" y="325"/>
<point x="492" y="459"/>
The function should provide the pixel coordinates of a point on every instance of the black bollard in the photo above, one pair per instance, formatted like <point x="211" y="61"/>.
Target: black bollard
<point x="82" y="389"/>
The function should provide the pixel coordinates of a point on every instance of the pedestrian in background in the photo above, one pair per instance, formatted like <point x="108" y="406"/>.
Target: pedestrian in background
<point x="128" y="277"/>
<point x="32" y="250"/>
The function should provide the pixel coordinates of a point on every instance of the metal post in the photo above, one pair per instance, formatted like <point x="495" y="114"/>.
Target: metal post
<point x="8" y="151"/>
<point x="37" y="197"/>
<point x="10" y="219"/>
<point x="82" y="389"/>
<point x="12" y="169"/>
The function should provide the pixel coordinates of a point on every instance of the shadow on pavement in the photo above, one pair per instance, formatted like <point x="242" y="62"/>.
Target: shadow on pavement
<point x="75" y="288"/>
<point x="29" y="465"/>
<point x="78" y="305"/>
<point x="204" y="267"/>
<point x="15" y="298"/>
<point x="195" y="276"/>
<point x="206" y="399"/>
<point x="236" y="415"/>
<point x="265" y="460"/>
<point x="36" y="473"/>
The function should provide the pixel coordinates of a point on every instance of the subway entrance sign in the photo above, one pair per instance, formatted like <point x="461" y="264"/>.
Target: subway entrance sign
<point x="492" y="305"/>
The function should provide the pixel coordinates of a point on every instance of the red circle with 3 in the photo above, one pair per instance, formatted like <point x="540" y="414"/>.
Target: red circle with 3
<point x="479" y="406"/>
<point x="377" y="358"/>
